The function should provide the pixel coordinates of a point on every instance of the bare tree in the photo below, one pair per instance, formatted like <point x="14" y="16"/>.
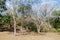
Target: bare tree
<point x="12" y="6"/>
<point x="46" y="10"/>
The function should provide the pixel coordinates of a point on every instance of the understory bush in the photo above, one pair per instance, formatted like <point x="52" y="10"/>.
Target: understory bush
<point x="55" y="22"/>
<point x="5" y="22"/>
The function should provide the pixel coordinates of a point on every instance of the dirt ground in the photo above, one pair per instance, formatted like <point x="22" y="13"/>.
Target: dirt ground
<point x="41" y="36"/>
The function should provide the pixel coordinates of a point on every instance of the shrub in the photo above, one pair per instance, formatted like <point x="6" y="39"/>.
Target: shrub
<point x="55" y="22"/>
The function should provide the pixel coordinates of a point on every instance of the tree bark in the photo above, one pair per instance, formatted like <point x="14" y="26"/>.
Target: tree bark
<point x="14" y="21"/>
<point x="38" y="29"/>
<point x="14" y="25"/>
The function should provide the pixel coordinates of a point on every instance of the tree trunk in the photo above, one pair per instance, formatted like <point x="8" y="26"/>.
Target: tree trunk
<point x="14" y="20"/>
<point x="38" y="29"/>
<point x="14" y="25"/>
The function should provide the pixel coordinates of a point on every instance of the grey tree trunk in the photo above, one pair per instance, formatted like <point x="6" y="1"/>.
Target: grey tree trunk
<point x="38" y="28"/>
<point x="14" y="20"/>
<point x="14" y="25"/>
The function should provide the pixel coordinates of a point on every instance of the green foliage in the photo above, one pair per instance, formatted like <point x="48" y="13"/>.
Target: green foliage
<point x="18" y="21"/>
<point x="55" y="21"/>
<point x="58" y="29"/>
<point x="24" y="8"/>
<point x="5" y="19"/>
<point x="2" y="5"/>
<point x="32" y="27"/>
<point x="56" y="13"/>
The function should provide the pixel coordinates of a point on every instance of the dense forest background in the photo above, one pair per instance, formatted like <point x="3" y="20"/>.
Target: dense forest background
<point x="16" y="16"/>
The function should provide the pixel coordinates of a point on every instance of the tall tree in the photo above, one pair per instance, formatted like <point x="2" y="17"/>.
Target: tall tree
<point x="46" y="10"/>
<point x="15" y="7"/>
<point x="12" y="5"/>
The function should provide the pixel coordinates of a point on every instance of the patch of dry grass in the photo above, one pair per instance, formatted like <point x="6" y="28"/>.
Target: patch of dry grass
<point x="31" y="36"/>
